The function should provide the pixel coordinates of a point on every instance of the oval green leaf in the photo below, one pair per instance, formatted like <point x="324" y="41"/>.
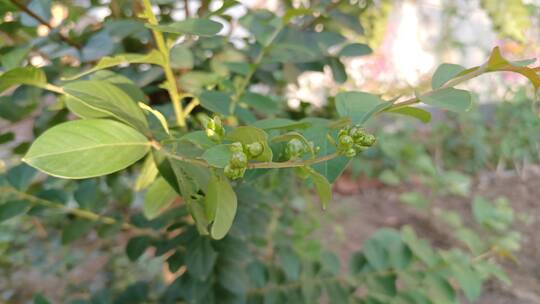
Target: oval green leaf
<point x="220" y="206"/>
<point x="86" y="148"/>
<point x="449" y="99"/>
<point x="199" y="27"/>
<point x="99" y="99"/>
<point x="158" y="197"/>
<point x="444" y="73"/>
<point x="28" y="75"/>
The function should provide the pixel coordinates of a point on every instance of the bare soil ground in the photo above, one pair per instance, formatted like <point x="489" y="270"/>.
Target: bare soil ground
<point x="374" y="206"/>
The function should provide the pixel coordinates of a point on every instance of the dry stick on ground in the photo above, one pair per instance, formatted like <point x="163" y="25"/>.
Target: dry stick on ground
<point x="29" y="12"/>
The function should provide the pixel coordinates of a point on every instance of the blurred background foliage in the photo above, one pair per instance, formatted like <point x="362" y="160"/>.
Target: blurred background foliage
<point x="448" y="232"/>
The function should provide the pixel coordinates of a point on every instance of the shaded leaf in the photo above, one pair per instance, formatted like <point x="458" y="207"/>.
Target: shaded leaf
<point x="220" y="205"/>
<point x="444" y="73"/>
<point x="354" y="50"/>
<point x="217" y="156"/>
<point x="449" y="99"/>
<point x="420" y="114"/>
<point x="158" y="197"/>
<point x="99" y="99"/>
<point x="199" y="27"/>
<point x="359" y="106"/>
<point x="28" y="75"/>
<point x="153" y="57"/>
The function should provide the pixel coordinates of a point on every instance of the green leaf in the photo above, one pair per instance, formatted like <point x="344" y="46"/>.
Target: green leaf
<point x="39" y="299"/>
<point x="11" y="209"/>
<point x="444" y="73"/>
<point x="158" y="198"/>
<point x="262" y="104"/>
<point x="420" y="248"/>
<point x="86" y="148"/>
<point x="199" y="138"/>
<point x="15" y="57"/>
<point x="497" y="62"/>
<point x="220" y="205"/>
<point x="41" y="8"/>
<point x="157" y="114"/>
<point x="323" y="187"/>
<point x="354" y="50"/>
<point x="125" y="84"/>
<point x="217" y="156"/>
<point x="136" y="246"/>
<point x="451" y="99"/>
<point x="338" y="70"/>
<point x="420" y="114"/>
<point x="280" y="124"/>
<point x="439" y="289"/>
<point x="148" y="173"/>
<point x="199" y="27"/>
<point x="216" y="102"/>
<point x="247" y="135"/>
<point x="181" y="57"/>
<point x="200" y="258"/>
<point x="359" y="106"/>
<point x="233" y="277"/>
<point x="75" y="230"/>
<point x="28" y="75"/>
<point x="468" y="280"/>
<point x="318" y="134"/>
<point x="153" y="57"/>
<point x="99" y="99"/>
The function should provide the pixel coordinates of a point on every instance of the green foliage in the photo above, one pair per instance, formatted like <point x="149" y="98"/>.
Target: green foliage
<point x="87" y="148"/>
<point x="219" y="203"/>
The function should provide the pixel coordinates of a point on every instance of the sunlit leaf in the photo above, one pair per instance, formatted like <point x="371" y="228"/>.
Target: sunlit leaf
<point x="86" y="148"/>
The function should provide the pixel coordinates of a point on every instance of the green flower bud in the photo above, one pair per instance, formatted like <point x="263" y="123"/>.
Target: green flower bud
<point x="343" y="131"/>
<point x="234" y="173"/>
<point x="254" y="149"/>
<point x="351" y="152"/>
<point x="237" y="147"/>
<point x="345" y="142"/>
<point x="368" y="140"/>
<point x="238" y="160"/>
<point x="356" y="133"/>
<point x="213" y="135"/>
<point x="294" y="149"/>
<point x="359" y="148"/>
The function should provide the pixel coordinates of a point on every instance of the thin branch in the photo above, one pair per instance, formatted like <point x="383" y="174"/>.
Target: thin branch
<point x="452" y="83"/>
<point x="81" y="213"/>
<point x="38" y="18"/>
<point x="253" y="68"/>
<point x="256" y="165"/>
<point x="186" y="8"/>
<point x="172" y="86"/>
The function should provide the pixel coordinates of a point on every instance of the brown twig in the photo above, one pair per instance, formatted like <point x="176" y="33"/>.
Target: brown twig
<point x="186" y="8"/>
<point x="38" y="18"/>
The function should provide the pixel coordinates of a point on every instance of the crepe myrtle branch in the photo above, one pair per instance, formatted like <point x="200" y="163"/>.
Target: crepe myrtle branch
<point x="253" y="165"/>
<point x="452" y="83"/>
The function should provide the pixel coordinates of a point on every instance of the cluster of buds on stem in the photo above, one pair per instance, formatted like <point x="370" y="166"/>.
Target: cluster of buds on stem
<point x="353" y="140"/>
<point x="241" y="154"/>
